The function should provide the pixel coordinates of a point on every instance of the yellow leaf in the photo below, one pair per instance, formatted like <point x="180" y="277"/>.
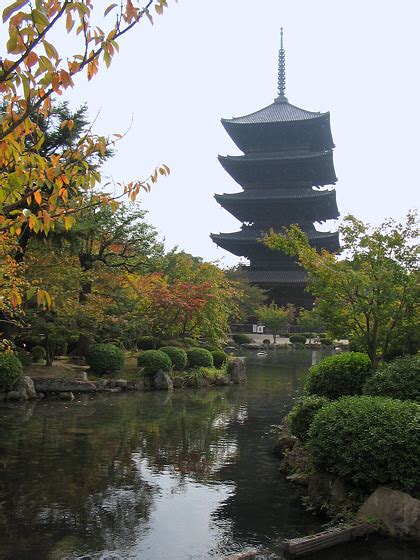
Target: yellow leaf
<point x="9" y="10"/>
<point x="38" y="197"/>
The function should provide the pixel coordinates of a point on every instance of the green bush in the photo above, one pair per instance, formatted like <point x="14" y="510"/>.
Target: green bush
<point x="105" y="358"/>
<point x="399" y="379"/>
<point x="219" y="358"/>
<point x="178" y="357"/>
<point x="339" y="375"/>
<point x="198" y="357"/>
<point x="266" y="342"/>
<point x="190" y="341"/>
<point x="369" y="441"/>
<point x="294" y="338"/>
<point x="210" y="347"/>
<point x="148" y="342"/>
<point x="300" y="417"/>
<point x="299" y="346"/>
<point x="38" y="354"/>
<point x="322" y="335"/>
<point x="154" y="360"/>
<point x="28" y="341"/>
<point x="58" y="345"/>
<point x="241" y="338"/>
<point x="24" y="358"/>
<point x="10" y="370"/>
<point x="326" y="341"/>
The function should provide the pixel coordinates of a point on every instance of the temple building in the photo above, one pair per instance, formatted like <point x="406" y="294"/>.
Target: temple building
<point x="286" y="173"/>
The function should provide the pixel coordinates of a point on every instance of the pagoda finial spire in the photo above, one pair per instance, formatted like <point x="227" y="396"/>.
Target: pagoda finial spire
<point x="281" y="80"/>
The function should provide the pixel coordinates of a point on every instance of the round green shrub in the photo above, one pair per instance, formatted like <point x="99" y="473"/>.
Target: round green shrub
<point x="300" y="417"/>
<point x="219" y="358"/>
<point x="38" y="354"/>
<point x="322" y="335"/>
<point x="326" y="341"/>
<point x="339" y="375"/>
<point x="266" y="342"/>
<point x="294" y="338"/>
<point x="148" y="342"/>
<point x="210" y="347"/>
<point x="399" y="379"/>
<point x="178" y="356"/>
<point x="10" y="370"/>
<point x="299" y="346"/>
<point x="199" y="357"/>
<point x="105" y="358"/>
<point x="24" y="358"/>
<point x="154" y="360"/>
<point x="369" y="441"/>
<point x="241" y="338"/>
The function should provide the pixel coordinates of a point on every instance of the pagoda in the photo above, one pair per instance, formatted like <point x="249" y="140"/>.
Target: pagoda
<point x="287" y="176"/>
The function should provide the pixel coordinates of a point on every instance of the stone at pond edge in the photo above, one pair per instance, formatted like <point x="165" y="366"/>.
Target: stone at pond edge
<point x="221" y="380"/>
<point x="26" y="384"/>
<point x="326" y="491"/>
<point x="134" y="386"/>
<point x="162" y="381"/>
<point x="295" y="460"/>
<point x="178" y="381"/>
<point x="236" y="370"/>
<point x="283" y="443"/>
<point x="47" y="386"/>
<point x="397" y="513"/>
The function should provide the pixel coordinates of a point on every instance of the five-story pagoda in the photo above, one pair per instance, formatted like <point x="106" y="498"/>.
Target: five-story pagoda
<point x="284" y="173"/>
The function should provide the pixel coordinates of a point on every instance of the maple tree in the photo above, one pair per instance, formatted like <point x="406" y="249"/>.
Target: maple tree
<point x="371" y="295"/>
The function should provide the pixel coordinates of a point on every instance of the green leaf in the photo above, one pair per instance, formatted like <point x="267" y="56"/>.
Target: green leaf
<point x="109" y="9"/>
<point x="9" y="10"/>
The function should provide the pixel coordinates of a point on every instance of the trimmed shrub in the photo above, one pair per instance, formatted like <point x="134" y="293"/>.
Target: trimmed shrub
<point x="266" y="342"/>
<point x="294" y="338"/>
<point x="190" y="341"/>
<point x="241" y="338"/>
<point x="198" y="357"/>
<point x="105" y="358"/>
<point x="399" y="379"/>
<point x="369" y="441"/>
<point x="148" y="342"/>
<point x="10" y="370"/>
<point x="326" y="341"/>
<point x="38" y="354"/>
<point x="154" y="360"/>
<point x="178" y="357"/>
<point x="339" y="375"/>
<point x="299" y="346"/>
<point x="210" y="347"/>
<point x="300" y="417"/>
<point x="219" y="358"/>
<point x="322" y="335"/>
<point x="24" y="358"/>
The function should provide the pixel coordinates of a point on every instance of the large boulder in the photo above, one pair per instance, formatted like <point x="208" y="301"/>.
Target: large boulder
<point x="236" y="370"/>
<point x="397" y="513"/>
<point x="48" y="386"/>
<point x="162" y="381"/>
<point x="26" y="385"/>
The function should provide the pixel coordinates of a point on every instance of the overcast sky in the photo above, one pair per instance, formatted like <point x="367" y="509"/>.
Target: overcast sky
<point x="208" y="59"/>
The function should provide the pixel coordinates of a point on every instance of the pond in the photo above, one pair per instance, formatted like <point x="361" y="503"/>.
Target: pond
<point x="186" y="475"/>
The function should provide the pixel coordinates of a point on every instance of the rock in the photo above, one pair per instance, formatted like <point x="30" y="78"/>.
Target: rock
<point x="48" y="386"/>
<point x="285" y="442"/>
<point x="83" y="376"/>
<point x="327" y="491"/>
<point x="203" y="382"/>
<point x="178" y="381"/>
<point x="134" y="386"/>
<point x="40" y="396"/>
<point x="25" y="384"/>
<point x="121" y="383"/>
<point x="298" y="478"/>
<point x="17" y="395"/>
<point x="295" y="460"/>
<point x="236" y="370"/>
<point x="66" y="396"/>
<point x="114" y="390"/>
<point x="397" y="513"/>
<point x="248" y="555"/>
<point x="162" y="381"/>
<point x="103" y="384"/>
<point x="221" y="380"/>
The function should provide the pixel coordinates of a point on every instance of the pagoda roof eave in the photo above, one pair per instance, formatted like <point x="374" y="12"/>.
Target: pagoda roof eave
<point x="280" y="195"/>
<point x="276" y="156"/>
<point x="276" y="113"/>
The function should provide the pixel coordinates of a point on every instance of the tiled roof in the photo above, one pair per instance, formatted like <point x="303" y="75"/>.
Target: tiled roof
<point x="251" y="234"/>
<point x="274" y="156"/>
<point x="276" y="276"/>
<point x="276" y="194"/>
<point x="276" y="112"/>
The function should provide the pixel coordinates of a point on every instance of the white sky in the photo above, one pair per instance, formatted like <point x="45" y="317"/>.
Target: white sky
<point x="204" y="60"/>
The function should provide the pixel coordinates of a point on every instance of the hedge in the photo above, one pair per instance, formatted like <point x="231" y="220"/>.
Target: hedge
<point x="219" y="358"/>
<point x="339" y="375"/>
<point x="148" y="342"/>
<point x="154" y="360"/>
<point x="297" y="338"/>
<point x="177" y="355"/>
<point x="300" y="417"/>
<point x="241" y="338"/>
<point x="369" y="441"/>
<point x="399" y="379"/>
<point x="105" y="358"/>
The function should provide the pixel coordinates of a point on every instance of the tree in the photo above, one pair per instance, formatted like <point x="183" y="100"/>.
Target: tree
<point x="275" y="318"/>
<point x="250" y="297"/>
<point x="309" y="320"/>
<point x="372" y="294"/>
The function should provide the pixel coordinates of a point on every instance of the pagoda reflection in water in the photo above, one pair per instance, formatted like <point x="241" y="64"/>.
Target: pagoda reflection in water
<point x="286" y="173"/>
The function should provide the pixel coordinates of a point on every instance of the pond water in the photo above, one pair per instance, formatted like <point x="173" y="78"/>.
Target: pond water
<point x="187" y="475"/>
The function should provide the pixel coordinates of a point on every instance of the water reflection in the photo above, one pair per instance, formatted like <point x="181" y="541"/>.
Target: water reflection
<point x="152" y="476"/>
